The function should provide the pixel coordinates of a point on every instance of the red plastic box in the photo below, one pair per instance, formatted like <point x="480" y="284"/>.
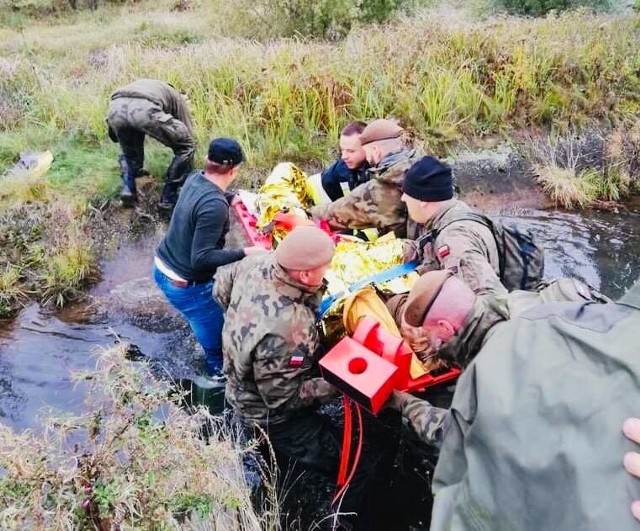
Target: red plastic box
<point x="359" y="373"/>
<point x="369" y="366"/>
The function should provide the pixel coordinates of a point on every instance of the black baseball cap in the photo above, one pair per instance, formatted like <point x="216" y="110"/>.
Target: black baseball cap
<point x="225" y="151"/>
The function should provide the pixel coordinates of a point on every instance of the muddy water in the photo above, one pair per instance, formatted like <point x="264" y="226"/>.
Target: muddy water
<point x="600" y="248"/>
<point x="37" y="350"/>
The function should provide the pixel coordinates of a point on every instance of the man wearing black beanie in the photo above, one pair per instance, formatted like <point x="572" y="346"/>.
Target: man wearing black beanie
<point x="442" y="236"/>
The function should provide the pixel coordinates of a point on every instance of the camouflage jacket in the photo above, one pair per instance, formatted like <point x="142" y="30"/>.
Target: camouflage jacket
<point x="375" y="203"/>
<point x="466" y="247"/>
<point x="161" y="94"/>
<point x="269" y="340"/>
<point x="489" y="310"/>
<point x="431" y="423"/>
<point x="536" y="417"/>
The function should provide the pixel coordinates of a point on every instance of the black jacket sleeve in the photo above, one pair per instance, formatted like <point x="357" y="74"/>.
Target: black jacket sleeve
<point x="207" y="254"/>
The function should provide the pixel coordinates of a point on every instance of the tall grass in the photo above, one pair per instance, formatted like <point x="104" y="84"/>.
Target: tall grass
<point x="448" y="79"/>
<point x="579" y="172"/>
<point x="46" y="251"/>
<point x="444" y="78"/>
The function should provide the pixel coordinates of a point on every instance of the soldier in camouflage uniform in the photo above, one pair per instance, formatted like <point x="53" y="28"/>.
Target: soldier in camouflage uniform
<point x="269" y="338"/>
<point x="467" y="248"/>
<point x="442" y="316"/>
<point x="270" y="344"/>
<point x="151" y="107"/>
<point x="376" y="203"/>
<point x="532" y="439"/>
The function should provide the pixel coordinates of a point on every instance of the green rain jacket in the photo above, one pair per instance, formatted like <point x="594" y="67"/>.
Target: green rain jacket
<point x="534" y="440"/>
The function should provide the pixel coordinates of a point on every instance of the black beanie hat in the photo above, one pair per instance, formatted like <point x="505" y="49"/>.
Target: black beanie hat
<point x="428" y="180"/>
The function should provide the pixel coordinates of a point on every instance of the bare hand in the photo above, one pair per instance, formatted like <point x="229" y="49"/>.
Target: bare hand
<point x="631" y="429"/>
<point x="409" y="251"/>
<point x="248" y="251"/>
<point x="416" y="337"/>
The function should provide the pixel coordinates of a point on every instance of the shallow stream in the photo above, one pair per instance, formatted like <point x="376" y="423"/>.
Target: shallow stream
<point x="38" y="350"/>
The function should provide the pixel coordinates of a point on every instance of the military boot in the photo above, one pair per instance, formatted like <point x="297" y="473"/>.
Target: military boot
<point x="129" y="194"/>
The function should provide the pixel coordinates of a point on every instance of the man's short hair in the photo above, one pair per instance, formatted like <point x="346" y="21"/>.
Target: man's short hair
<point x="353" y="128"/>
<point x="217" y="169"/>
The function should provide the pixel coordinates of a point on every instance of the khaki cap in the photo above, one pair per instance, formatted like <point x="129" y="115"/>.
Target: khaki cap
<point x="423" y="295"/>
<point x="305" y="248"/>
<point x="380" y="130"/>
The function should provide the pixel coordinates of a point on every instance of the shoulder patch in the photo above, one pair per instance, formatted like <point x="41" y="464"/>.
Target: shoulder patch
<point x="443" y="251"/>
<point x="296" y="361"/>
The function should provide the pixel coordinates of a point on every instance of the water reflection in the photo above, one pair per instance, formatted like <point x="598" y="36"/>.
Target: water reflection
<point x="38" y="353"/>
<point x="600" y="248"/>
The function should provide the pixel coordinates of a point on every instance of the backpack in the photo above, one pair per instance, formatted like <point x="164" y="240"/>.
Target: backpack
<point x="521" y="255"/>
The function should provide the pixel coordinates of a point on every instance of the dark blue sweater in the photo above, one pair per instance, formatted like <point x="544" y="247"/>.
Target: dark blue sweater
<point x="193" y="246"/>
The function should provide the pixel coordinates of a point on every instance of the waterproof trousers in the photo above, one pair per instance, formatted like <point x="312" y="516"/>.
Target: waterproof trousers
<point x="130" y="119"/>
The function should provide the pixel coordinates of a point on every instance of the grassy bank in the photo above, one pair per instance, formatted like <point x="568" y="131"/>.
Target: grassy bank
<point x="132" y="460"/>
<point x="450" y="78"/>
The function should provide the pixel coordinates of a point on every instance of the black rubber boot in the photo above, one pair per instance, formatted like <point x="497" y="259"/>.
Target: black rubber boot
<point x="129" y="194"/>
<point x="169" y="196"/>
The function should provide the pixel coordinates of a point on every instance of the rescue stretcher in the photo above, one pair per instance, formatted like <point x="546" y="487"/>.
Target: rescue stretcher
<point x="371" y="363"/>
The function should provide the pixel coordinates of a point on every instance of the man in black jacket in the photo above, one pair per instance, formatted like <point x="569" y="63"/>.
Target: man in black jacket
<point x="193" y="248"/>
<point x="351" y="168"/>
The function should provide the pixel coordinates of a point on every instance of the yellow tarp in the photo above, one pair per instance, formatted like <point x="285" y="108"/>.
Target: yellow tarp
<point x="365" y="302"/>
<point x="285" y="189"/>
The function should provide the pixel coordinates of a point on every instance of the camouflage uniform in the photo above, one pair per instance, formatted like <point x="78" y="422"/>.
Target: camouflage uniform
<point x="467" y="248"/>
<point x="151" y="107"/>
<point x="375" y="203"/>
<point x="534" y="439"/>
<point x="430" y="423"/>
<point x="489" y="310"/>
<point x="269" y="341"/>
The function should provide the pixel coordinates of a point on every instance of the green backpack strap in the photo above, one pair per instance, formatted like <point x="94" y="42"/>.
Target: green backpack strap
<point x="632" y="297"/>
<point x="431" y="235"/>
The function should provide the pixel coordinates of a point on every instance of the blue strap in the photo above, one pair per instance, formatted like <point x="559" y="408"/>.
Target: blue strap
<point x="378" y="278"/>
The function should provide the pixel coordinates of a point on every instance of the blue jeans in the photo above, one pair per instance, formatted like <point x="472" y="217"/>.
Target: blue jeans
<point x="204" y="314"/>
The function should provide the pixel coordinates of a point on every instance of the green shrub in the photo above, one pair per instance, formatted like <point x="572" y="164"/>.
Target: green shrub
<point x="316" y="18"/>
<point x="537" y="8"/>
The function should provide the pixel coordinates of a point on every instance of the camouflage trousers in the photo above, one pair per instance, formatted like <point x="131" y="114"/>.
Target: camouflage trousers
<point x="130" y="119"/>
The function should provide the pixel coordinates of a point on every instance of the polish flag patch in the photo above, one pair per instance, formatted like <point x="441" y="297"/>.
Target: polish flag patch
<point x="296" y="361"/>
<point x="443" y="251"/>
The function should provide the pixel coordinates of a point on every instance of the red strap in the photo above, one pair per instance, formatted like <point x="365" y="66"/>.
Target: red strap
<point x="344" y="458"/>
<point x="346" y="442"/>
